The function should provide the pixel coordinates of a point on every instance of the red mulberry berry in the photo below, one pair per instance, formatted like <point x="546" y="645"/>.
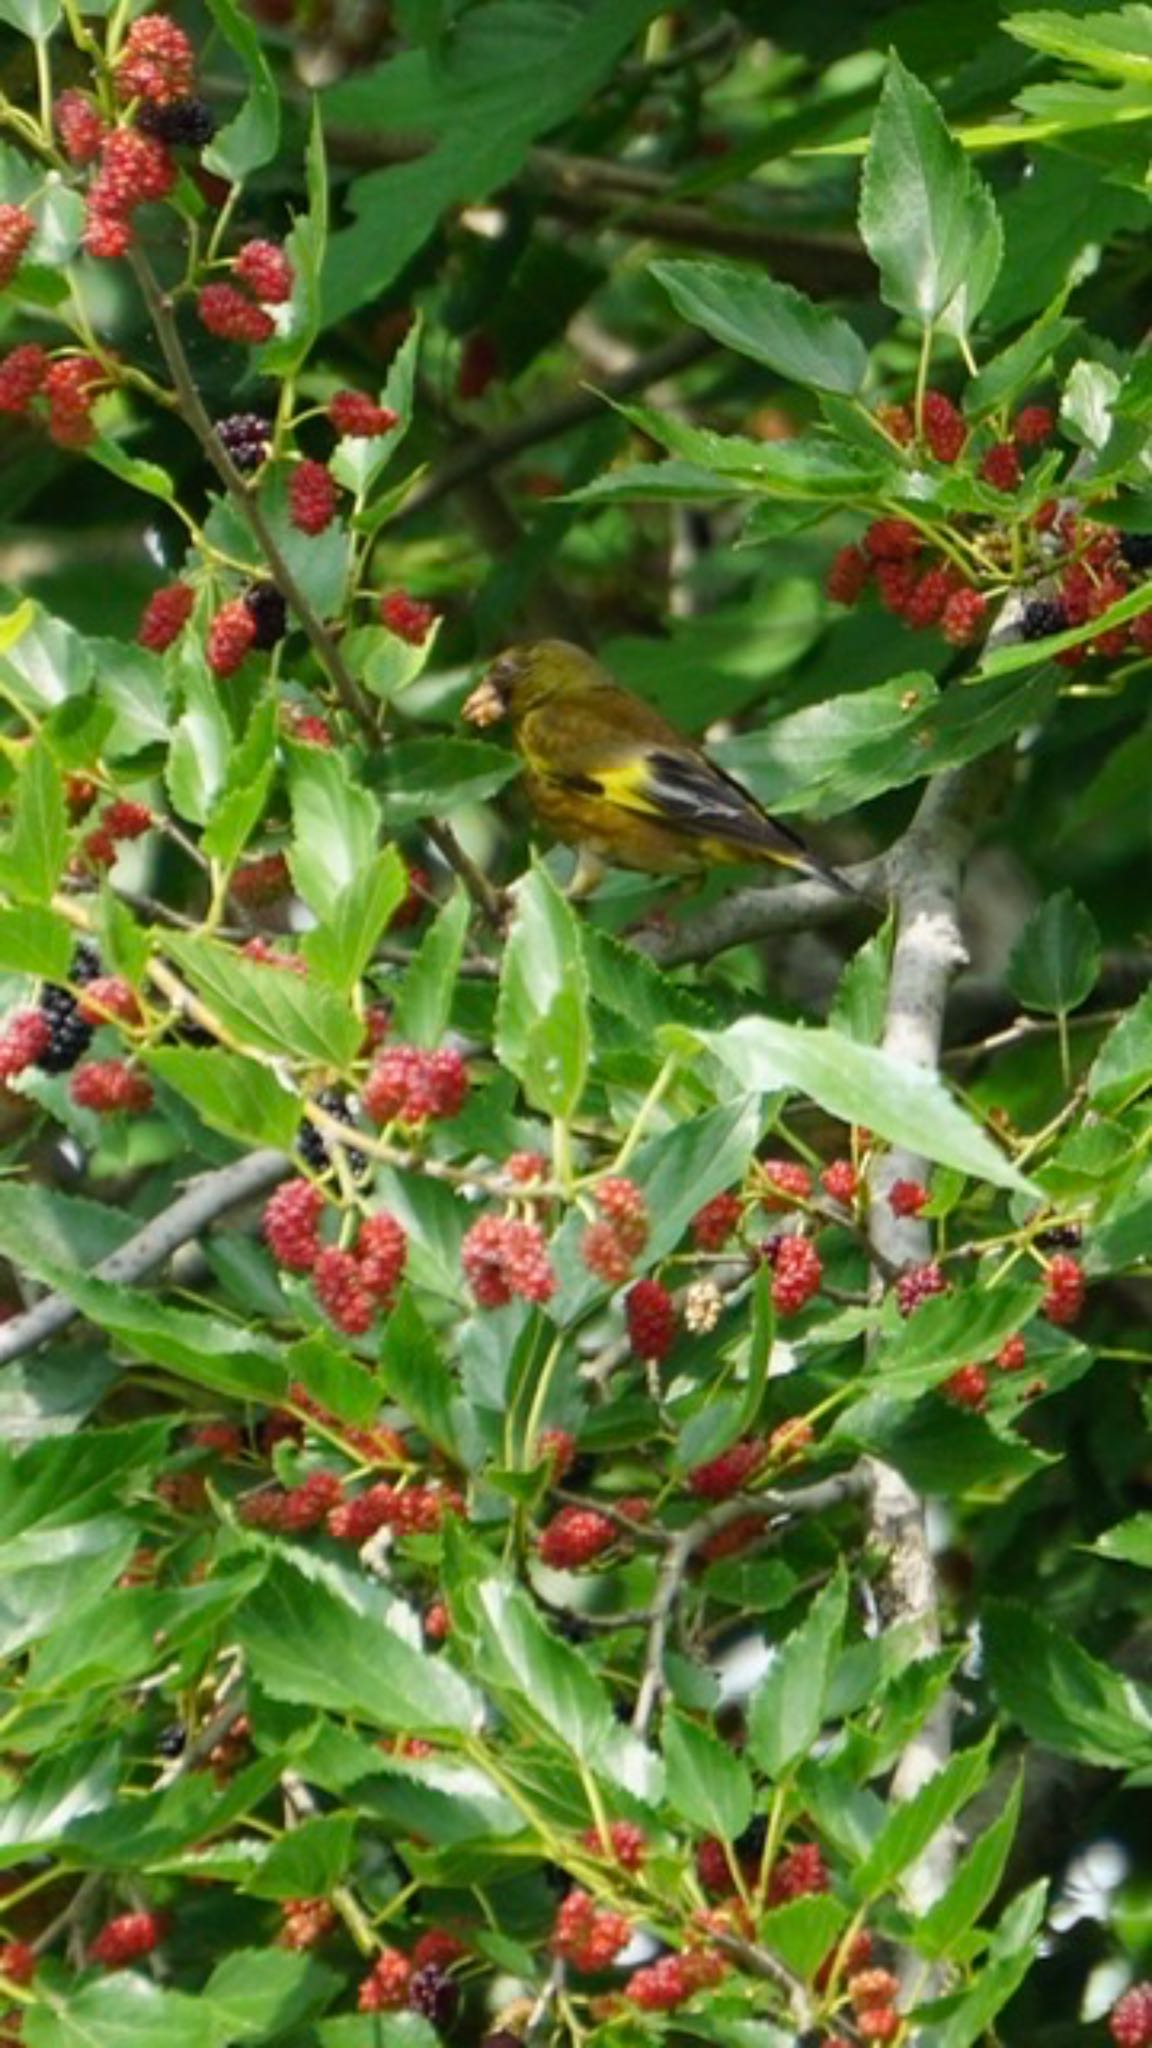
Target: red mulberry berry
<point x="789" y="1440"/>
<point x="943" y="426"/>
<point x="124" y="819"/>
<point x="714" y="1867"/>
<point x="22" y="373"/>
<point x="502" y="1256"/>
<point x="353" y="412"/>
<point x="622" y="1205"/>
<point x="716" y="1222"/>
<point x="872" y="1987"/>
<point x="605" y="1255"/>
<point x="557" y="1449"/>
<point x="385" y="1989"/>
<point x="125" y="1938"/>
<point x="381" y="1253"/>
<point x="848" y="575"/>
<point x="157" y="62"/>
<point x="79" y="126"/>
<point x="70" y="386"/>
<point x="651" y="1317"/>
<point x="27" y="1034"/>
<point x="1000" y="467"/>
<point x="18" y="1961"/>
<point x="312" y="497"/>
<point x="1130" y="2020"/>
<point x="109" y="1087"/>
<point x="107" y="236"/>
<point x="1032" y="424"/>
<point x="895" y="582"/>
<point x="786" y="1182"/>
<point x="588" y="1937"/>
<point x="897" y="422"/>
<point x="798" y="1874"/>
<point x="407" y="617"/>
<point x="627" y="1844"/>
<point x="291" y="1225"/>
<point x="479" y="364"/>
<point x="841" y="1181"/>
<point x="308" y="728"/>
<point x="967" y="1387"/>
<point x="574" y="1537"/>
<point x="166" y="614"/>
<point x="893" y="540"/>
<point x="907" y="1197"/>
<point x="879" y="2023"/>
<point x="109" y="998"/>
<point x="264" y="269"/>
<point x="261" y="881"/>
<point x="306" y="1922"/>
<point x="796" y="1276"/>
<point x="726" y="1474"/>
<point x="671" y="1981"/>
<point x="925" y="605"/>
<point x="917" y="1285"/>
<point x="17" y="228"/>
<point x="963" y="616"/>
<point x="230" y="637"/>
<point x="1064" y="1294"/>
<point x="1012" y="1356"/>
<point x="525" y="1168"/>
<point x="134" y="170"/>
<point x="341" y="1292"/>
<point x="226" y="313"/>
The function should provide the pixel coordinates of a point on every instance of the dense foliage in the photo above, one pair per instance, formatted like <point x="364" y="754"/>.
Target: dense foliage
<point x="573" y="1472"/>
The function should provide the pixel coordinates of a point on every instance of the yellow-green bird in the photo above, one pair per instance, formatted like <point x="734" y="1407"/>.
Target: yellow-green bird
<point x="606" y="774"/>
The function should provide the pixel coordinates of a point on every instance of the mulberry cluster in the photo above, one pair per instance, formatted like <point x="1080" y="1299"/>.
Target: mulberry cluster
<point x="156" y="63"/>
<point x="410" y="1510"/>
<point x="672" y="1980"/>
<point x="354" y="413"/>
<point x="610" y="1246"/>
<point x="306" y="1922"/>
<point x="407" y="617"/>
<point x="120" y="820"/>
<point x="1130" y="2020"/>
<point x="17" y="228"/>
<point x="165" y="616"/>
<point x="311" y="497"/>
<point x="294" y="1509"/>
<point x="717" y="1222"/>
<point x="1064" y="1291"/>
<point x="409" y="1085"/>
<point x="574" y="1537"/>
<point x="650" y="1314"/>
<point x="719" y="1477"/>
<point x="503" y="1256"/>
<point x="796" y="1273"/>
<point x="588" y="1936"/>
<point x="110" y="1087"/>
<point x="126" y="1938"/>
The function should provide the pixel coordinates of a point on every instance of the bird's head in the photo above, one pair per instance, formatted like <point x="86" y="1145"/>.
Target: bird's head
<point x="524" y="677"/>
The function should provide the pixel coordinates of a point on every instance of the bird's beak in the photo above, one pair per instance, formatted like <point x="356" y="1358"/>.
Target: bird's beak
<point x="488" y="703"/>
<point x="485" y="706"/>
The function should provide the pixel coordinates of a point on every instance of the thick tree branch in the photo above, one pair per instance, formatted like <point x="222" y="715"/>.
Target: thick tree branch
<point x="204" y="1200"/>
<point x="929" y="951"/>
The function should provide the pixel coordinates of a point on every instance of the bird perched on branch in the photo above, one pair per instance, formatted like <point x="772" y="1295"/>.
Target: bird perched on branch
<point x="606" y="774"/>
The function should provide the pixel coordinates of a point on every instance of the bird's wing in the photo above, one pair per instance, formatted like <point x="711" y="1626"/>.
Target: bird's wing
<point x="611" y="745"/>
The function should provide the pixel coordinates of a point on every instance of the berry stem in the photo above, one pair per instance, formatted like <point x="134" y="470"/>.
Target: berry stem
<point x="652" y="1100"/>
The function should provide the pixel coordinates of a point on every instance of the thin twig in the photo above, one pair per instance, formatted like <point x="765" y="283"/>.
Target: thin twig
<point x="484" y="452"/>
<point x="817" y="1499"/>
<point x="759" y="913"/>
<point x="204" y="1199"/>
<point x="322" y="641"/>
